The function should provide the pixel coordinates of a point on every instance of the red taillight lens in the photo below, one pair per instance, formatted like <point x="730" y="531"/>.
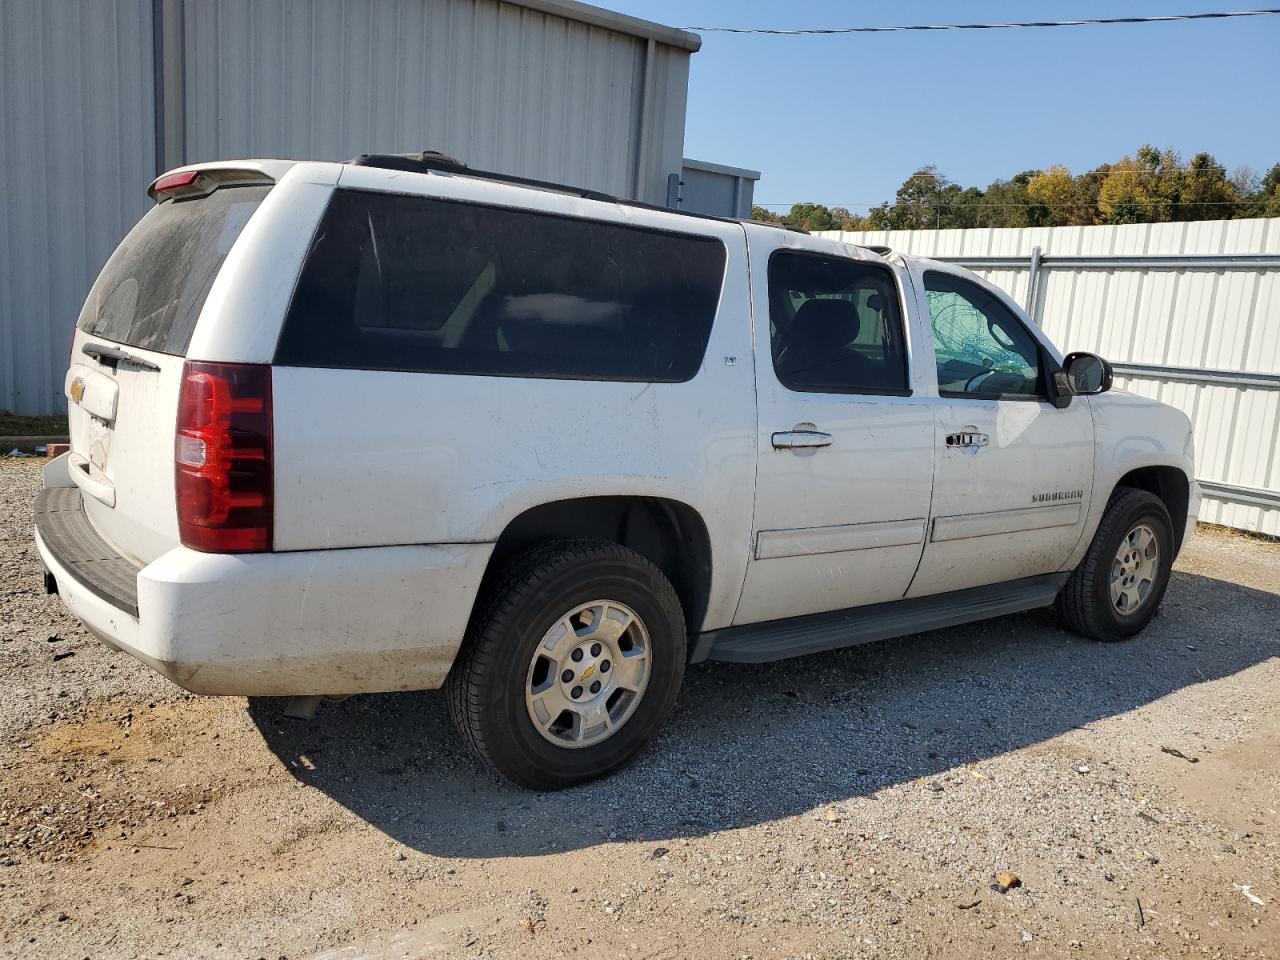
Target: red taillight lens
<point x="173" y="181"/>
<point x="222" y="457"/>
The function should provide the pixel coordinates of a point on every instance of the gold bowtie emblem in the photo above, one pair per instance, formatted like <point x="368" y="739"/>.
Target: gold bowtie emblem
<point x="586" y="674"/>
<point x="77" y="389"/>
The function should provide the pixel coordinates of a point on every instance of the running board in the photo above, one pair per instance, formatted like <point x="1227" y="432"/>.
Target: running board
<point x="796" y="636"/>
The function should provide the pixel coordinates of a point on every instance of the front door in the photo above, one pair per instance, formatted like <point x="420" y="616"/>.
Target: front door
<point x="1014" y="472"/>
<point x="845" y="451"/>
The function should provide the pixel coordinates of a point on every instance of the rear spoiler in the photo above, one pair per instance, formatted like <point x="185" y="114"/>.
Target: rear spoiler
<point x="183" y="184"/>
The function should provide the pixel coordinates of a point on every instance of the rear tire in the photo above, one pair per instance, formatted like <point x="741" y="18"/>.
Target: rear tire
<point x="571" y="665"/>
<point x="1116" y="590"/>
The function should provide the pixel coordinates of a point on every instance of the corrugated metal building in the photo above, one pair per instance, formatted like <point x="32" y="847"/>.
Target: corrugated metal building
<point x="716" y="189"/>
<point x="101" y="95"/>
<point x="1189" y="313"/>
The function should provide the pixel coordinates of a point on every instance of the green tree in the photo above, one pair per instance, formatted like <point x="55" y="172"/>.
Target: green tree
<point x="764" y="216"/>
<point x="1265" y="201"/>
<point x="918" y="203"/>
<point x="811" y="217"/>
<point x="1008" y="204"/>
<point x="1206" y="193"/>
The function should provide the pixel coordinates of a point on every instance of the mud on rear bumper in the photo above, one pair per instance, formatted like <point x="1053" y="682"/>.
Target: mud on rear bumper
<point x="268" y="624"/>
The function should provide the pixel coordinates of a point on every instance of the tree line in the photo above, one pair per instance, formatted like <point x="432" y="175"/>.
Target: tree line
<point x="1154" y="186"/>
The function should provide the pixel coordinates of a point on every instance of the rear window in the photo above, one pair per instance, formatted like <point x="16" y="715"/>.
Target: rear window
<point x="150" y="292"/>
<point x="395" y="282"/>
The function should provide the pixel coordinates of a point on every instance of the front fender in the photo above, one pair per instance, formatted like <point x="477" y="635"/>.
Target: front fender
<point x="1132" y="432"/>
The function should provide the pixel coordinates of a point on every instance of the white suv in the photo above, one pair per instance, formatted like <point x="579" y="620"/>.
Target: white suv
<point x="397" y="424"/>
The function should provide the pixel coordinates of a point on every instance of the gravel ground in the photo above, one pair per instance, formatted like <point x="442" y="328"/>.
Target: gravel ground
<point x="860" y="803"/>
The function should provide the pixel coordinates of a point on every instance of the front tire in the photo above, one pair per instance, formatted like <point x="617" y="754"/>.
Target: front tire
<point x="1116" y="590"/>
<point x="571" y="665"/>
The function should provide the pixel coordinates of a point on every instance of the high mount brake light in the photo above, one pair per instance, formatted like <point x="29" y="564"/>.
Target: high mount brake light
<point x="223" y="458"/>
<point x="173" y="181"/>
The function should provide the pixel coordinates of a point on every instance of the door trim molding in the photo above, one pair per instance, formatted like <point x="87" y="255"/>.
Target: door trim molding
<point x="810" y="541"/>
<point x="966" y="526"/>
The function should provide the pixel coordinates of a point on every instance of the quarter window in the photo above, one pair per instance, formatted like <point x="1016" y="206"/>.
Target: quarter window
<point x="835" y="325"/>
<point x="409" y="283"/>
<point x="982" y="349"/>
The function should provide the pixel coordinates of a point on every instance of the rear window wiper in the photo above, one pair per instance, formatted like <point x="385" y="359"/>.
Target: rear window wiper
<point x="111" y="356"/>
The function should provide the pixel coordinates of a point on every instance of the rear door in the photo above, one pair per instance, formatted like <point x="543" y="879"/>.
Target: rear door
<point x="844" y="447"/>
<point x="126" y="362"/>
<point x="1014" y="472"/>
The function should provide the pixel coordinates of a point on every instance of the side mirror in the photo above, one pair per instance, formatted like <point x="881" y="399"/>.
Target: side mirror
<point x="1087" y="374"/>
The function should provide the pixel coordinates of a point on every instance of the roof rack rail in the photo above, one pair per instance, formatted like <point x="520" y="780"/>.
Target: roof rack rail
<point x="432" y="161"/>
<point x="792" y="228"/>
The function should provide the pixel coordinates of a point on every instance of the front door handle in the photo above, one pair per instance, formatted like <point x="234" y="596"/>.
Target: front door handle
<point x="799" y="439"/>
<point x="967" y="438"/>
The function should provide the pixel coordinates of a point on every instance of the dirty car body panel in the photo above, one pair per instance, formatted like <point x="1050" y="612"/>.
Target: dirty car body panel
<point x="392" y="478"/>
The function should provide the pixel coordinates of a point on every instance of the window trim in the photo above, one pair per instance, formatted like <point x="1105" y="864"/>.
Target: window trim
<point x="506" y="208"/>
<point x="1046" y="367"/>
<point x="902" y="324"/>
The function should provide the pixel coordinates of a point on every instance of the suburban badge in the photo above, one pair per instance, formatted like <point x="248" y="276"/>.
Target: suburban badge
<point x="1057" y="495"/>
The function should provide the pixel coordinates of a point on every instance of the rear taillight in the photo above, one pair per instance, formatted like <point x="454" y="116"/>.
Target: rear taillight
<point x="222" y="456"/>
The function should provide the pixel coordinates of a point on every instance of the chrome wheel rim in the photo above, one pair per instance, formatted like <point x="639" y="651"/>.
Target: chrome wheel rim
<point x="588" y="674"/>
<point x="1134" y="569"/>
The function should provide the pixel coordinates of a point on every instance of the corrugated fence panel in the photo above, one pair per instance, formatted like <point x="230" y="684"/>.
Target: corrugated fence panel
<point x="1191" y="317"/>
<point x="77" y="148"/>
<point x="498" y="86"/>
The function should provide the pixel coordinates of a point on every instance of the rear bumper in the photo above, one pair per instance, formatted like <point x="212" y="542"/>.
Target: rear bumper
<point x="275" y="624"/>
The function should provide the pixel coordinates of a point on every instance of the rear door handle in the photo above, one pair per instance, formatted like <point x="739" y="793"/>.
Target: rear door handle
<point x="967" y="439"/>
<point x="798" y="439"/>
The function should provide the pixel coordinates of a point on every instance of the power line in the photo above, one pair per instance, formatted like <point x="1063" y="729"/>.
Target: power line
<point x="822" y="31"/>
<point x="1215" y="170"/>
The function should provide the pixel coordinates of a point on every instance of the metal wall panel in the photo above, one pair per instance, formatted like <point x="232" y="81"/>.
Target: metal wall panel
<point x="518" y="87"/>
<point x="78" y="150"/>
<point x="717" y="190"/>
<point x="496" y="85"/>
<point x="1194" y="317"/>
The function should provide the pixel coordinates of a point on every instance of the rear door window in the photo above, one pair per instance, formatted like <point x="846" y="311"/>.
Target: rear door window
<point x="150" y="293"/>
<point x="835" y="325"/>
<point x="410" y="283"/>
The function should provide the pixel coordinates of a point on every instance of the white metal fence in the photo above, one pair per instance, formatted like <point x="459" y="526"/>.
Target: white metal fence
<point x="1189" y="313"/>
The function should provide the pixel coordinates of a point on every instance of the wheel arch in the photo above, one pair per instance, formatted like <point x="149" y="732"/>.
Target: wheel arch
<point x="669" y="533"/>
<point x="1173" y="488"/>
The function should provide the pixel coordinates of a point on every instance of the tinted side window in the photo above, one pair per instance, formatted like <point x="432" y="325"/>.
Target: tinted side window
<point x="835" y="325"/>
<point x="982" y="349"/>
<point x="150" y="293"/>
<point x="396" y="282"/>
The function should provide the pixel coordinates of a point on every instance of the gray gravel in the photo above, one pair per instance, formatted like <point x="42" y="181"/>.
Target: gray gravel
<point x="858" y="803"/>
<point x="36" y="635"/>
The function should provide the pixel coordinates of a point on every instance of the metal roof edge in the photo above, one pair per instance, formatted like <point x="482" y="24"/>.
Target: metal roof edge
<point x="690" y="164"/>
<point x="611" y="20"/>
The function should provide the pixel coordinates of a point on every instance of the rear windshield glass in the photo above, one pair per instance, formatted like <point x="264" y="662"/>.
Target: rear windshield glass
<point x="395" y="282"/>
<point x="151" y="290"/>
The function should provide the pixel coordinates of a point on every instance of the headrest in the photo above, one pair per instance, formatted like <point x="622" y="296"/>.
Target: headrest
<point x="824" y="324"/>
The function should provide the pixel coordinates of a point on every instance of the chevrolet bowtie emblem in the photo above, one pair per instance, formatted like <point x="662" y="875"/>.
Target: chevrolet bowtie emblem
<point x="77" y="389"/>
<point x="586" y="674"/>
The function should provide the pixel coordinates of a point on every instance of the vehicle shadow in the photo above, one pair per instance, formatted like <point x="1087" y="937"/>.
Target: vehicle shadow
<point x="754" y="743"/>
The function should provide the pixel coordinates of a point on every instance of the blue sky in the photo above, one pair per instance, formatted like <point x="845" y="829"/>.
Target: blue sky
<point x="843" y="120"/>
